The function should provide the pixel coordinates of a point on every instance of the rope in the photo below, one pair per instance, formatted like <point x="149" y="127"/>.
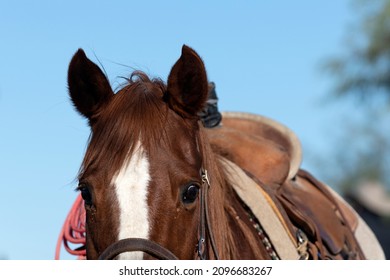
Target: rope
<point x="73" y="231"/>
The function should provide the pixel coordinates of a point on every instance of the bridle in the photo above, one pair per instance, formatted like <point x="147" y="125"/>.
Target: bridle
<point x="205" y="235"/>
<point x="204" y="221"/>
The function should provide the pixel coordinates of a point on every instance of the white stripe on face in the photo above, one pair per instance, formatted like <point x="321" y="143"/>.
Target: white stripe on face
<point x="131" y="185"/>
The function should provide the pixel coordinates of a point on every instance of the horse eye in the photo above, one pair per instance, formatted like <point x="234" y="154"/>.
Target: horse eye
<point x="190" y="194"/>
<point x="85" y="193"/>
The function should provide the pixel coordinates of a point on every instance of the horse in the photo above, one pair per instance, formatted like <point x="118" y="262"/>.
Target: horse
<point x="156" y="183"/>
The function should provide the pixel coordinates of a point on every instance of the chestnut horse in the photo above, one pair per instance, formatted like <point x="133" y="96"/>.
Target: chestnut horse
<point x="154" y="180"/>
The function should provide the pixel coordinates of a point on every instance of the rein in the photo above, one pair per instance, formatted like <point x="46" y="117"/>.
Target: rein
<point x="137" y="244"/>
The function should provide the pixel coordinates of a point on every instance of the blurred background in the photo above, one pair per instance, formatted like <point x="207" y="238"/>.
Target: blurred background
<point x="322" y="68"/>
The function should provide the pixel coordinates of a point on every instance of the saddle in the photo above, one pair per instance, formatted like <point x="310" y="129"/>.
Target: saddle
<point x="294" y="208"/>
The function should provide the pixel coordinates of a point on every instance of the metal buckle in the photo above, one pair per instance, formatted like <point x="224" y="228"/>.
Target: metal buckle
<point x="302" y="245"/>
<point x="201" y="249"/>
<point x="205" y="177"/>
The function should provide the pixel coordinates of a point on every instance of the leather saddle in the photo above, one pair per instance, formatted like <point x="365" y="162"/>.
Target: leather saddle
<point x="317" y="222"/>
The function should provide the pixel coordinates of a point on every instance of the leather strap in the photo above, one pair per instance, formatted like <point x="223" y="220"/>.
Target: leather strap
<point x="201" y="246"/>
<point x="137" y="244"/>
<point x="204" y="218"/>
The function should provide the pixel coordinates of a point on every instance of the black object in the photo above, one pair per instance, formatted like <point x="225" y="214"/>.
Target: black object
<point x="210" y="115"/>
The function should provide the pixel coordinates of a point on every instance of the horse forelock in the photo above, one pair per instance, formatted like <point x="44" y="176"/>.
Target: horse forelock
<point x="135" y="114"/>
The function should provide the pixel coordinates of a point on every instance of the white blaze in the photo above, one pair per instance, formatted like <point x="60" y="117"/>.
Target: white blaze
<point x="131" y="186"/>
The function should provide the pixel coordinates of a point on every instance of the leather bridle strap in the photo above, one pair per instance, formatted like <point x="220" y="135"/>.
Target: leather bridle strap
<point x="137" y="244"/>
<point x="204" y="221"/>
<point x="201" y="246"/>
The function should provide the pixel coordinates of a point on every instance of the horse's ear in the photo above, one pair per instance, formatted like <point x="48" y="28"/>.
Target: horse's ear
<point x="89" y="88"/>
<point x="187" y="84"/>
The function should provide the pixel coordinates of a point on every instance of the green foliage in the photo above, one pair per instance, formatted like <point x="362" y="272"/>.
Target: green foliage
<point x="361" y="153"/>
<point x="364" y="71"/>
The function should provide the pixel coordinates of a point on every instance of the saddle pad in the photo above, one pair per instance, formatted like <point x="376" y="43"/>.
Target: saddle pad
<point x="264" y="210"/>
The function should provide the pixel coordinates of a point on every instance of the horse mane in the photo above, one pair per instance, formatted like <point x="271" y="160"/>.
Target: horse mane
<point x="221" y="189"/>
<point x="124" y="122"/>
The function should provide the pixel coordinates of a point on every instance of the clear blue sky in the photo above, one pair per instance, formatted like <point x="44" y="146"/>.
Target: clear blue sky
<point x="264" y="57"/>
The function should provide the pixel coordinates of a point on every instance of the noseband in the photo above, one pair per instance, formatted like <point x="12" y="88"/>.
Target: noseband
<point x="137" y="244"/>
<point x="159" y="252"/>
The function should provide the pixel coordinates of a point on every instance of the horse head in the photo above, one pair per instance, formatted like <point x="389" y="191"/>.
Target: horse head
<point x="141" y="176"/>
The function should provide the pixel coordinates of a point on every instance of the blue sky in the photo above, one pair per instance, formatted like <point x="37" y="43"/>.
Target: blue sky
<point x="264" y="57"/>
